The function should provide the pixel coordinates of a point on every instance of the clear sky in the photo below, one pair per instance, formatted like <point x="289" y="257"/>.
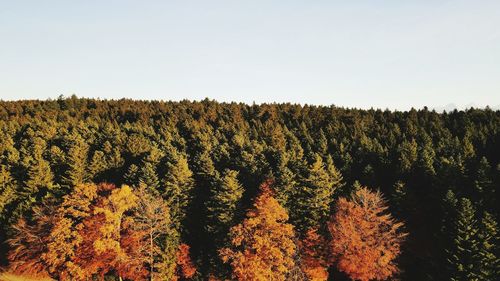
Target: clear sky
<point x="386" y="54"/>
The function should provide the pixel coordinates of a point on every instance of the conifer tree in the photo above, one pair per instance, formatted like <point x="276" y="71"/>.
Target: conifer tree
<point x="97" y="164"/>
<point x="148" y="176"/>
<point x="222" y="211"/>
<point x="315" y="196"/>
<point x="177" y="187"/>
<point x="131" y="177"/>
<point x="39" y="175"/>
<point x="489" y="263"/>
<point x="285" y="181"/>
<point x="407" y="155"/>
<point x="464" y="252"/>
<point x="76" y="172"/>
<point x="399" y="198"/>
<point x="222" y="207"/>
<point x="483" y="188"/>
<point x="7" y="190"/>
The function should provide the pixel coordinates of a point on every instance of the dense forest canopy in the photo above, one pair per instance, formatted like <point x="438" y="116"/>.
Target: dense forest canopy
<point x="189" y="190"/>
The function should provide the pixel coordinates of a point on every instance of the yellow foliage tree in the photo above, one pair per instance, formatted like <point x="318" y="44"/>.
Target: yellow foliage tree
<point x="113" y="208"/>
<point x="263" y="244"/>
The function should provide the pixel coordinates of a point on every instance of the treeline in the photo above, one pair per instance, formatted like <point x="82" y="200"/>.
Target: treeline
<point x="206" y="162"/>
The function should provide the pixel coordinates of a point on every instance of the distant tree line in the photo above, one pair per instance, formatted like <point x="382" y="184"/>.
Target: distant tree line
<point x="150" y="190"/>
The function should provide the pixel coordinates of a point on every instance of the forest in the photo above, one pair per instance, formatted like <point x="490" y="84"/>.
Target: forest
<point x="126" y="189"/>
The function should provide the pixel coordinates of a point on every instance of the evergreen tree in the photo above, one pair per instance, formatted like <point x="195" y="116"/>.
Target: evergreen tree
<point x="222" y="207"/>
<point x="314" y="197"/>
<point x="131" y="177"/>
<point x="177" y="186"/>
<point x="148" y="176"/>
<point x="464" y="252"/>
<point x="76" y="172"/>
<point x="483" y="188"/>
<point x="97" y="164"/>
<point x="7" y="190"/>
<point x="222" y="210"/>
<point x="489" y="263"/>
<point x="39" y="175"/>
<point x="399" y="198"/>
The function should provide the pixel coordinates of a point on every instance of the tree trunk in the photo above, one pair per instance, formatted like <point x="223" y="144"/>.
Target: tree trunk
<point x="151" y="257"/>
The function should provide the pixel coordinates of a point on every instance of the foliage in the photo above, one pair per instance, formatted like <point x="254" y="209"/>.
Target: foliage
<point x="366" y="240"/>
<point x="262" y="245"/>
<point x="181" y="151"/>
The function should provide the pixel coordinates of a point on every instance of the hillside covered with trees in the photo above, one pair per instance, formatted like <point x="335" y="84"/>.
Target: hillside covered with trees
<point x="150" y="190"/>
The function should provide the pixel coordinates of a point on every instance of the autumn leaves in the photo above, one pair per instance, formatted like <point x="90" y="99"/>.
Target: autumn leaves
<point x="101" y="229"/>
<point x="363" y="241"/>
<point x="98" y="230"/>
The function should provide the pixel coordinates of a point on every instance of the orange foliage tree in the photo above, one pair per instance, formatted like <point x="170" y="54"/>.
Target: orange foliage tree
<point x="365" y="238"/>
<point x="314" y="256"/>
<point x="263" y="244"/>
<point x="30" y="242"/>
<point x="110" y="244"/>
<point x="47" y="243"/>
<point x="185" y="267"/>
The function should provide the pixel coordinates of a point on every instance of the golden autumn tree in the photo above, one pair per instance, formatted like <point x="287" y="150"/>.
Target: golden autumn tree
<point x="365" y="238"/>
<point x="47" y="243"/>
<point x="314" y="254"/>
<point x="64" y="236"/>
<point x="110" y="244"/>
<point x="262" y="246"/>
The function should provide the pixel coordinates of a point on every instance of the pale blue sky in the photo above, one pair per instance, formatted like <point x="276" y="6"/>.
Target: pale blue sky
<point x="386" y="54"/>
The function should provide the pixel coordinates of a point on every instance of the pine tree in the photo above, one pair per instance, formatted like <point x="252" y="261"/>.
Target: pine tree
<point x="7" y="190"/>
<point x="98" y="164"/>
<point x="223" y="204"/>
<point x="76" y="158"/>
<point x="399" y="198"/>
<point x="464" y="252"/>
<point x="407" y="155"/>
<point x="483" y="188"/>
<point x="489" y="263"/>
<point x="131" y="177"/>
<point x="177" y="187"/>
<point x="39" y="177"/>
<point x="222" y="210"/>
<point x="285" y="181"/>
<point x="315" y="196"/>
<point x="148" y="176"/>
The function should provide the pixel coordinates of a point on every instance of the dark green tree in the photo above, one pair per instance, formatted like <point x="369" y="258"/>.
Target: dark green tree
<point x="463" y="256"/>
<point x="223" y="205"/>
<point x="223" y="208"/>
<point x="489" y="263"/>
<point x="314" y="197"/>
